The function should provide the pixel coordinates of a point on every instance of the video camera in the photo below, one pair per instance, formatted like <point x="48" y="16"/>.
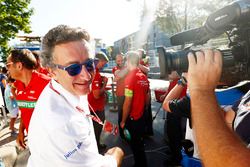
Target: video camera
<point x="234" y="20"/>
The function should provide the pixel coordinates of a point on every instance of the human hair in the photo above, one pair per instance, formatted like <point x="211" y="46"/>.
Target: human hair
<point x="102" y="56"/>
<point x="4" y="70"/>
<point x="24" y="56"/>
<point x="119" y="54"/>
<point x="60" y="35"/>
<point x="142" y="53"/>
<point x="133" y="58"/>
<point x="36" y="54"/>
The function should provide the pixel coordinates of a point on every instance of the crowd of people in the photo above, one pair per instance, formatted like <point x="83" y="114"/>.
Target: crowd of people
<point x="60" y="94"/>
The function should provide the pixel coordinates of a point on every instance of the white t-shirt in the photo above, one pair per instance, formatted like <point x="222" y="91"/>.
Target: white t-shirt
<point x="59" y="135"/>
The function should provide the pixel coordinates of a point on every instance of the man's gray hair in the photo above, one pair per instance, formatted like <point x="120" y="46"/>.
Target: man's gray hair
<point x="60" y="35"/>
<point x="133" y="58"/>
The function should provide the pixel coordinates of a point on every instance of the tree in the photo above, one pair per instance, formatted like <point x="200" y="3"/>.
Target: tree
<point x="166" y="18"/>
<point x="173" y="17"/>
<point x="14" y="17"/>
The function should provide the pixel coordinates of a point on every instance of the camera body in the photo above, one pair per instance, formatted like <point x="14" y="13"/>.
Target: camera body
<point x="234" y="20"/>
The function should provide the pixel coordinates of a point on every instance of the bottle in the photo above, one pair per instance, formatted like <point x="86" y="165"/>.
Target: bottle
<point x="127" y="134"/>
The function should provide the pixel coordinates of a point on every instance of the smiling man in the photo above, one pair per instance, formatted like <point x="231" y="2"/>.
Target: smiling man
<point x="61" y="130"/>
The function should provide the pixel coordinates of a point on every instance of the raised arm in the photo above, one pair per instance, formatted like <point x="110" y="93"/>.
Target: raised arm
<point x="218" y="145"/>
<point x="120" y="74"/>
<point x="173" y="94"/>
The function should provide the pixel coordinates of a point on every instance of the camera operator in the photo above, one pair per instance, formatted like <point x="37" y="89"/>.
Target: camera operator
<point x="176" y="119"/>
<point x="218" y="146"/>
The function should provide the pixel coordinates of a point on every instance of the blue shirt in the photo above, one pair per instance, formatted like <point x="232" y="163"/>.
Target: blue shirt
<point x="11" y="104"/>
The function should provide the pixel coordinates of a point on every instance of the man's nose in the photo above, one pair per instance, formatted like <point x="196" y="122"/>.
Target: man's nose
<point x="85" y="74"/>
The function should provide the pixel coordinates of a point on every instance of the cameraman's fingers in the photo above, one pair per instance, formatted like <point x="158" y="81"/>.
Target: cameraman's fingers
<point x="200" y="57"/>
<point x="209" y="55"/>
<point x="218" y="58"/>
<point x="191" y="59"/>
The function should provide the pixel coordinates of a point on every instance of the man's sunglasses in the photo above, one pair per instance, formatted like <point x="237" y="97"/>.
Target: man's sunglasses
<point x="75" y="69"/>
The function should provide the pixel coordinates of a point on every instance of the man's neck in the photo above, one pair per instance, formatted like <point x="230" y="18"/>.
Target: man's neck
<point x="26" y="77"/>
<point x="119" y="67"/>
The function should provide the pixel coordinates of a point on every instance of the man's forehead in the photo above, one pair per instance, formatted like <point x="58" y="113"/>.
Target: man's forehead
<point x="9" y="58"/>
<point x="74" y="46"/>
<point x="119" y="57"/>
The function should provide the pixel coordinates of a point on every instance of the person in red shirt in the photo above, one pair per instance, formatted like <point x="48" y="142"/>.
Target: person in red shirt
<point x="175" y="123"/>
<point x="40" y="68"/>
<point x="97" y="96"/>
<point x="29" y="85"/>
<point x="173" y="79"/>
<point x="144" y="66"/>
<point x="136" y="99"/>
<point x="120" y="85"/>
<point x="144" y="61"/>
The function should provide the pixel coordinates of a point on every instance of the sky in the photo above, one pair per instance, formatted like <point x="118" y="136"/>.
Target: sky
<point x="109" y="20"/>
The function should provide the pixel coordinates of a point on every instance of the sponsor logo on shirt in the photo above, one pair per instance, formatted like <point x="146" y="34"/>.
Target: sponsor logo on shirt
<point x="26" y="104"/>
<point x="31" y="97"/>
<point x="19" y="92"/>
<point x="70" y="153"/>
<point x="143" y="83"/>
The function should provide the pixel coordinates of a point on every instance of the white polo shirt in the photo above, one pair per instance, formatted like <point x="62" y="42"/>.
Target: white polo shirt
<point x="59" y="135"/>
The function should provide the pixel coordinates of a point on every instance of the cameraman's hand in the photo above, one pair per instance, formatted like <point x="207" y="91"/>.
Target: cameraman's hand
<point x="205" y="72"/>
<point x="184" y="74"/>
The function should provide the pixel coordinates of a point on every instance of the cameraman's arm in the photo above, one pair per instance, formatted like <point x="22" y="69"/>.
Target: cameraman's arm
<point x="217" y="144"/>
<point x="173" y="94"/>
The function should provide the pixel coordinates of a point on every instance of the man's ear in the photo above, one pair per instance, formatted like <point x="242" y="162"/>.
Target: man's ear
<point x="19" y="65"/>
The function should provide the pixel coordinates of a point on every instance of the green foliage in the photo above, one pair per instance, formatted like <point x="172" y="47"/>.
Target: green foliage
<point x="171" y="15"/>
<point x="14" y="17"/>
<point x="111" y="52"/>
<point x="166" y="18"/>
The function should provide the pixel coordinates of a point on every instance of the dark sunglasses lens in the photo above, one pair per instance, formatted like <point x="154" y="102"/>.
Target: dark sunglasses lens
<point x="89" y="66"/>
<point x="74" y="69"/>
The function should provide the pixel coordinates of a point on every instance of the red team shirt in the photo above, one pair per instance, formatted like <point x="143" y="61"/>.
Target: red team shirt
<point x="172" y="85"/>
<point x="43" y="71"/>
<point x="114" y="69"/>
<point x="27" y="96"/>
<point x="137" y="87"/>
<point x="97" y="104"/>
<point x="120" y="84"/>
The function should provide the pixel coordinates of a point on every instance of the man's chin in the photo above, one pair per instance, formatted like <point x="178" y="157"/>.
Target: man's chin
<point x="81" y="91"/>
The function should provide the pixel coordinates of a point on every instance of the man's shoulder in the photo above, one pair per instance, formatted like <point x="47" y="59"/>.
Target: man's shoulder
<point x="141" y="75"/>
<point x="41" y="78"/>
<point x="114" y="69"/>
